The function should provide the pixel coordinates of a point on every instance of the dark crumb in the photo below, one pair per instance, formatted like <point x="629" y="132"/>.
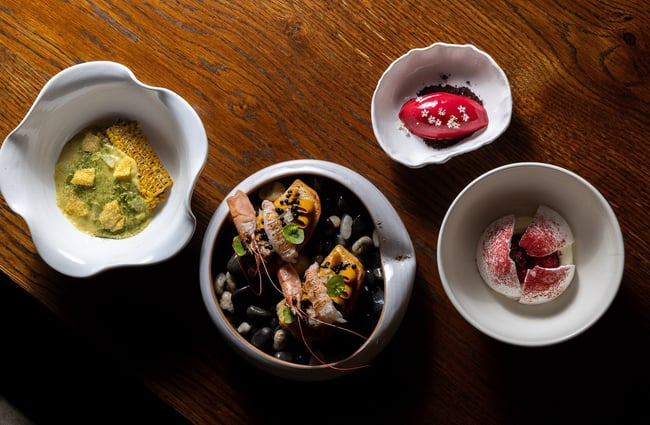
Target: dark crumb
<point x="459" y="90"/>
<point x="443" y="143"/>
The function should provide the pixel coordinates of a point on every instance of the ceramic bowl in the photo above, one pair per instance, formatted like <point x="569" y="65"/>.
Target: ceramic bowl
<point x="598" y="253"/>
<point x="396" y="255"/>
<point x="75" y="98"/>
<point x="440" y="63"/>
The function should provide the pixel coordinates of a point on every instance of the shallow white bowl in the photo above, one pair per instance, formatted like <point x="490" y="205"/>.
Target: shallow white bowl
<point x="519" y="188"/>
<point x="397" y="257"/>
<point x="422" y="67"/>
<point x="75" y="98"/>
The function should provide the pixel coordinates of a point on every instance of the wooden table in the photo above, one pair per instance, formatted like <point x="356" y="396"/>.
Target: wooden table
<point x="275" y="81"/>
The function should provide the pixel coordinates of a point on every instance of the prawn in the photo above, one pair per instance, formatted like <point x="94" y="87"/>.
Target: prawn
<point x="291" y="286"/>
<point x="244" y="218"/>
<point x="321" y="309"/>
<point x="273" y="228"/>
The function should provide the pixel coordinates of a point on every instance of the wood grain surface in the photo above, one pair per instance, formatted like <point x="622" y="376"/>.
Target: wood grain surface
<point x="274" y="81"/>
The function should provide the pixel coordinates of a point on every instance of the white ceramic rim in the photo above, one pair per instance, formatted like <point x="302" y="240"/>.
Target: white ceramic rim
<point x="397" y="256"/>
<point x="619" y="250"/>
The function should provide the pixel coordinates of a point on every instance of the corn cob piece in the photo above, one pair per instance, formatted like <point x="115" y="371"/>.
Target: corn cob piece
<point x="154" y="179"/>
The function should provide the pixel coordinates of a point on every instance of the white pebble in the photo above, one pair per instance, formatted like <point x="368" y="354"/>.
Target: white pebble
<point x="280" y="340"/>
<point x="346" y="227"/>
<point x="231" y="285"/>
<point x="361" y="245"/>
<point x="220" y="283"/>
<point x="335" y="220"/>
<point x="225" y="302"/>
<point x="244" y="328"/>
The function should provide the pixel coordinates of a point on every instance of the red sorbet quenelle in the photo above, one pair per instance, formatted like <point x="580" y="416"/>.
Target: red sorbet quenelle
<point x="443" y="116"/>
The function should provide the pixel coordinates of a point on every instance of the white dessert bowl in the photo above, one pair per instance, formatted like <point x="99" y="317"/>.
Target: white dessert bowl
<point x="461" y="65"/>
<point x="519" y="188"/>
<point x="396" y="252"/>
<point x="94" y="93"/>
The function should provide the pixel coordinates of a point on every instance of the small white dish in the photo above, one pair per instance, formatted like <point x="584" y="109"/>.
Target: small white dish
<point x="440" y="63"/>
<point x="397" y="257"/>
<point x="598" y="253"/>
<point x="75" y="98"/>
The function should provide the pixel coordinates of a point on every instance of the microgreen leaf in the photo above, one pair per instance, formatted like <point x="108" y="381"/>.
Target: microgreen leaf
<point x="287" y="316"/>
<point x="238" y="246"/>
<point x="293" y="234"/>
<point x="335" y="286"/>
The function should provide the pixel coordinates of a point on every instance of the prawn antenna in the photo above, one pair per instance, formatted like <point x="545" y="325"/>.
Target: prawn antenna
<point x="323" y="362"/>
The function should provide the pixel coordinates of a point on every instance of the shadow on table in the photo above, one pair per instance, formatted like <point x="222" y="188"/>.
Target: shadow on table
<point x="52" y="375"/>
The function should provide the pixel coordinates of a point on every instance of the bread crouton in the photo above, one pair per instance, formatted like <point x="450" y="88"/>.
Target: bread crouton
<point x="84" y="177"/>
<point x="111" y="217"/>
<point x="91" y="143"/>
<point x="75" y="207"/>
<point x="124" y="168"/>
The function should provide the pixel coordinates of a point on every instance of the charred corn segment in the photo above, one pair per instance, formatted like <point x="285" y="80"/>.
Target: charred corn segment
<point x="153" y="178"/>
<point x="342" y="262"/>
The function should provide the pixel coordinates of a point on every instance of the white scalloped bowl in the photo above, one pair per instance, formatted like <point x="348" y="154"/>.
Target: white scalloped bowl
<point x="397" y="261"/>
<point x="598" y="253"/>
<point x="440" y="63"/>
<point x="75" y="98"/>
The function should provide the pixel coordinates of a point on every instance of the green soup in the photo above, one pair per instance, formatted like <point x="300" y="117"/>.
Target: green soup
<point x="97" y="187"/>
